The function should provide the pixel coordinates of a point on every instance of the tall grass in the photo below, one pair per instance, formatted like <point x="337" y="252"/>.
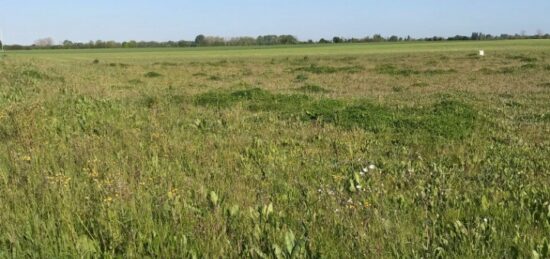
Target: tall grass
<point x="277" y="156"/>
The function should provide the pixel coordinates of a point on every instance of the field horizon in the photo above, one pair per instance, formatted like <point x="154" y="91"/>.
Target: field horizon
<point x="307" y="49"/>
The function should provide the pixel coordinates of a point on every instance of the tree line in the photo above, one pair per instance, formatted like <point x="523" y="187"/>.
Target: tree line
<point x="204" y="41"/>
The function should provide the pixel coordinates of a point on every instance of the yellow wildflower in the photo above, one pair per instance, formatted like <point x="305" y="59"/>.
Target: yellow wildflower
<point x="366" y="204"/>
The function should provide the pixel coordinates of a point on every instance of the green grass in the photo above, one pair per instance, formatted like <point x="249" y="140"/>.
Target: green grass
<point x="172" y="54"/>
<point x="260" y="152"/>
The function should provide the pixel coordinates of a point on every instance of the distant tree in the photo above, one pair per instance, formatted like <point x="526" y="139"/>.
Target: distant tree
<point x="337" y="40"/>
<point x="323" y="41"/>
<point x="183" y="43"/>
<point x="129" y="44"/>
<point x="43" y="43"/>
<point x="477" y="36"/>
<point x="393" y="38"/>
<point x="68" y="44"/>
<point x="242" y="41"/>
<point x="199" y="40"/>
<point x="213" y="41"/>
<point x="287" y="39"/>
<point x="268" y="40"/>
<point x="377" y="38"/>
<point x="458" y="37"/>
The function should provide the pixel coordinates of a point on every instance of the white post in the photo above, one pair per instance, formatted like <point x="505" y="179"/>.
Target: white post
<point x="482" y="53"/>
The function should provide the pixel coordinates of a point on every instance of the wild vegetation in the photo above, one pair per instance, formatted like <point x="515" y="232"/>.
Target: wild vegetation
<point x="349" y="151"/>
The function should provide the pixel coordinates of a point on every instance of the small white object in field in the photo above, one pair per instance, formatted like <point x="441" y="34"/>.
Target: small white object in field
<point x="372" y="167"/>
<point x="482" y="53"/>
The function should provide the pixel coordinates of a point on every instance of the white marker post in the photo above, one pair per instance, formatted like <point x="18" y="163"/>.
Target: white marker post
<point x="482" y="53"/>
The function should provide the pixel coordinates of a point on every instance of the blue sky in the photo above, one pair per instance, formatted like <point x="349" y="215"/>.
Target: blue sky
<point x="25" y="21"/>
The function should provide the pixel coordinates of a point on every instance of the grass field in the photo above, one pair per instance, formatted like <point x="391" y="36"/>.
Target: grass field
<point x="334" y="151"/>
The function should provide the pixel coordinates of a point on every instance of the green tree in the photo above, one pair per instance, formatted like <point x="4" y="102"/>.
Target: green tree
<point x="287" y="39"/>
<point x="200" y="39"/>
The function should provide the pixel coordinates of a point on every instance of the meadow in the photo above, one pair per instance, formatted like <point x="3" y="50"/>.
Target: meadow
<point x="422" y="150"/>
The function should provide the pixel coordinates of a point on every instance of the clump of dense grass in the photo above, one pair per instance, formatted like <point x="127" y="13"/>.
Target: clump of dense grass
<point x="135" y="81"/>
<point x="448" y="119"/>
<point x="215" y="78"/>
<point x="522" y="58"/>
<point x="389" y="69"/>
<point x="166" y="64"/>
<point x="122" y="65"/>
<point x="200" y="74"/>
<point x="311" y="88"/>
<point x="316" y="69"/>
<point x="529" y="66"/>
<point x="301" y="78"/>
<point x="34" y="74"/>
<point x="152" y="74"/>
<point x="398" y="88"/>
<point x="502" y="71"/>
<point x="420" y="84"/>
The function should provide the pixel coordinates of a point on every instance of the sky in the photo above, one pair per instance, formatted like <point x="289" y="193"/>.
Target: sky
<point x="25" y="21"/>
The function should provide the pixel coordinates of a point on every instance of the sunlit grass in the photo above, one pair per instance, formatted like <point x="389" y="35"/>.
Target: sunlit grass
<point x="352" y="151"/>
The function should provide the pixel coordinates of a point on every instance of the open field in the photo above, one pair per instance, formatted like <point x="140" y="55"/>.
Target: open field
<point x="258" y="152"/>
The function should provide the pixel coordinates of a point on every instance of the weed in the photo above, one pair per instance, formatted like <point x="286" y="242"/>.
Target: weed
<point x="522" y="58"/>
<point x="152" y="74"/>
<point x="502" y="70"/>
<point x="301" y="78"/>
<point x="398" y="88"/>
<point x="222" y="62"/>
<point x="420" y="84"/>
<point x="215" y="78"/>
<point x="200" y="74"/>
<point x="316" y="69"/>
<point x="135" y="81"/>
<point x="166" y="64"/>
<point x="34" y="74"/>
<point x="310" y="88"/>
<point x="529" y="66"/>
<point x="389" y="69"/>
<point x="394" y="71"/>
<point x="431" y="72"/>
